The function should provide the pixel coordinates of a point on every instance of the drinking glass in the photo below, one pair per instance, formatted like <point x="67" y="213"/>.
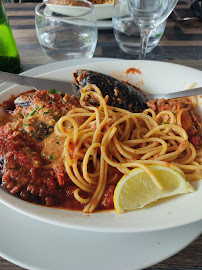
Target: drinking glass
<point x="127" y="33"/>
<point x="69" y="36"/>
<point x="148" y="14"/>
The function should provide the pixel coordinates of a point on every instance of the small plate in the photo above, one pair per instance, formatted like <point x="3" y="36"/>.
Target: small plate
<point x="103" y="11"/>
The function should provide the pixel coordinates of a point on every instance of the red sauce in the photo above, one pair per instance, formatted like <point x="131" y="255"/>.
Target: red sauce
<point x="133" y="70"/>
<point x="28" y="176"/>
<point x="24" y="170"/>
<point x="195" y="140"/>
<point x="190" y="120"/>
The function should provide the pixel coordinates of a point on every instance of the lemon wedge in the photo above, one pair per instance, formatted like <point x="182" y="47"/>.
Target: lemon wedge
<point x="137" y="189"/>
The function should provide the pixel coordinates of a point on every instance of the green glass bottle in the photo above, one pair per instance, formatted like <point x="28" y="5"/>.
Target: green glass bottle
<point x="9" y="56"/>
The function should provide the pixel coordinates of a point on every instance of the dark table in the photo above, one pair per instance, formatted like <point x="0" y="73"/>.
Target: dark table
<point x="181" y="43"/>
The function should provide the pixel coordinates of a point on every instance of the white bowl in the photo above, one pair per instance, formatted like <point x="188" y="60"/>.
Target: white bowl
<point x="155" y="77"/>
<point x="103" y="11"/>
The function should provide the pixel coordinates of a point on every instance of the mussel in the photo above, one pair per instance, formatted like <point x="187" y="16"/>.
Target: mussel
<point x="121" y="94"/>
<point x="24" y="100"/>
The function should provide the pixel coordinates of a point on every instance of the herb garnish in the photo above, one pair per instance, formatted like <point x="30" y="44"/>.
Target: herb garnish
<point x="32" y="113"/>
<point x="51" y="157"/>
<point x="48" y="111"/>
<point x="52" y="91"/>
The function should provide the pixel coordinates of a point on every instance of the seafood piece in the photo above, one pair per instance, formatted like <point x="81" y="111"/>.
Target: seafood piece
<point x="41" y="130"/>
<point x="121" y="94"/>
<point x="24" y="100"/>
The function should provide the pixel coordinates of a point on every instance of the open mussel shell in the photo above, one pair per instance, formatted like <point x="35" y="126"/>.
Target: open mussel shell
<point x="121" y="94"/>
<point x="24" y="100"/>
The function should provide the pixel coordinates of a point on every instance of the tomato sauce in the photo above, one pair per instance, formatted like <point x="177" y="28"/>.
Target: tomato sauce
<point x="133" y="70"/>
<point x="190" y="120"/>
<point x="31" y="163"/>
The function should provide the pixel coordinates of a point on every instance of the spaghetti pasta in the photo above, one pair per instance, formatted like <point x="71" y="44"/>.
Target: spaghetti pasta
<point x="110" y="141"/>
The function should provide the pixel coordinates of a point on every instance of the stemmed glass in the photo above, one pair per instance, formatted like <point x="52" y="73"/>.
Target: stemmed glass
<point x="127" y="33"/>
<point x="148" y="14"/>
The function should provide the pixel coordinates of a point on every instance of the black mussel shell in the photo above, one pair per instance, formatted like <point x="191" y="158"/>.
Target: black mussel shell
<point x="121" y="94"/>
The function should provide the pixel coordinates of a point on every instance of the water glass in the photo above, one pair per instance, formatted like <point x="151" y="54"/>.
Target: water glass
<point x="127" y="33"/>
<point x="70" y="36"/>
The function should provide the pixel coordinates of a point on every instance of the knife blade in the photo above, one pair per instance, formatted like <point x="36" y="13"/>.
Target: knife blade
<point x="39" y="83"/>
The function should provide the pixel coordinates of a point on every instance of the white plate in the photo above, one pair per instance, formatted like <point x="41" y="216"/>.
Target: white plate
<point x="103" y="11"/>
<point x="102" y="24"/>
<point x="181" y="210"/>
<point x="37" y="245"/>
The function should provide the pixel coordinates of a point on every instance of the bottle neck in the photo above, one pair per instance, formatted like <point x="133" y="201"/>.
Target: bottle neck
<point x="3" y="17"/>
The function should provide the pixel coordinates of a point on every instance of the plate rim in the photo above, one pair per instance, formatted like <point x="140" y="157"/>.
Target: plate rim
<point x="144" y="265"/>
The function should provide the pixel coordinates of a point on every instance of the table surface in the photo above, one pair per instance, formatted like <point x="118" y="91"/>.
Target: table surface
<point x="181" y="43"/>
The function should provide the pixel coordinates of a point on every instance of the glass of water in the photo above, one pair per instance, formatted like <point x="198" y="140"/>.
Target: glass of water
<point x="71" y="33"/>
<point x="127" y="33"/>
